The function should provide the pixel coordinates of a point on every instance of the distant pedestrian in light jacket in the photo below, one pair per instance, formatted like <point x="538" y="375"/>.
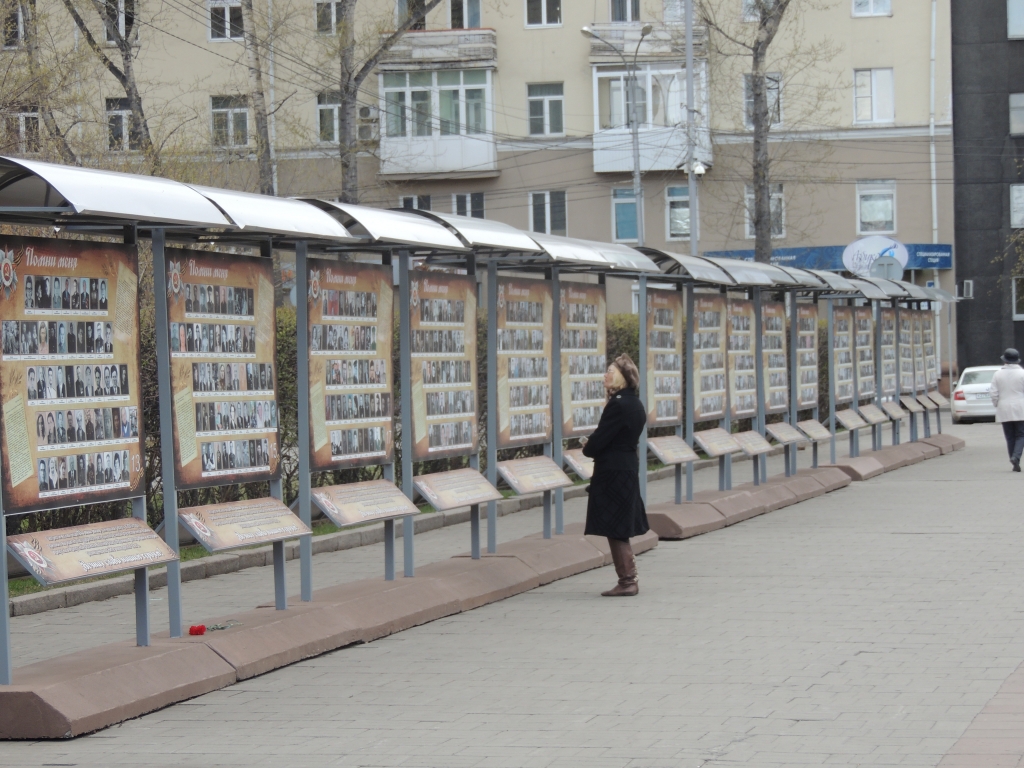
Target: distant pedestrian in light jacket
<point x="615" y="509"/>
<point x="1008" y="398"/>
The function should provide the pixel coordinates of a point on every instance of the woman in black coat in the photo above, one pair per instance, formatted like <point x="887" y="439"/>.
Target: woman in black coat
<point x="615" y="509"/>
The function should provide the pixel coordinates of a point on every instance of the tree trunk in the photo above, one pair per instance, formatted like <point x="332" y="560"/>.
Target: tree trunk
<point x="258" y="101"/>
<point x="348" y="90"/>
<point x="761" y="215"/>
<point x="28" y="13"/>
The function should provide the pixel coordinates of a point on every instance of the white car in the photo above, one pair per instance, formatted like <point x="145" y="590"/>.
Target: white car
<point x="971" y="398"/>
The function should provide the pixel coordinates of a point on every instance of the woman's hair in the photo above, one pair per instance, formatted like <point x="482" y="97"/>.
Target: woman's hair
<point x="628" y="370"/>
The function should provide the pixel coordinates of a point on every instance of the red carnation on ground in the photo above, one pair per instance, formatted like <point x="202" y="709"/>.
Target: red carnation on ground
<point x="197" y="629"/>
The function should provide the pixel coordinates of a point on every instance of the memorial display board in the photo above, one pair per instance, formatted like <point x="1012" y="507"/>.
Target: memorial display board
<point x="782" y="432"/>
<point x="752" y="443"/>
<point x="716" y="442"/>
<point x="893" y="410"/>
<point x="842" y="352"/>
<point x="69" y="374"/>
<point x="872" y="414"/>
<point x="219" y="527"/>
<point x="458" y="488"/>
<point x="773" y="341"/>
<point x="364" y="502"/>
<point x="906" y="351"/>
<point x="582" y="316"/>
<point x="742" y="369"/>
<point x="578" y="463"/>
<point x="931" y="361"/>
<point x="664" y="357"/>
<point x="807" y="355"/>
<point x="814" y="430"/>
<point x="709" y="352"/>
<point x="920" y="378"/>
<point x="60" y="555"/>
<point x="351" y="400"/>
<point x="524" y="362"/>
<point x="671" y="449"/>
<point x="910" y="403"/>
<point x="890" y="365"/>
<point x="850" y="419"/>
<point x="223" y="342"/>
<point x="443" y="375"/>
<point x="864" y="343"/>
<point x="534" y="474"/>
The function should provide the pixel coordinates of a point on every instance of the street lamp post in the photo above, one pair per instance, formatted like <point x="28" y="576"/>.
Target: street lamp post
<point x="634" y="118"/>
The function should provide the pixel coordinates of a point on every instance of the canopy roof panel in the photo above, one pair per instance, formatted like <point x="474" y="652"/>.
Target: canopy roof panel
<point x="484" y="233"/>
<point x="872" y="291"/>
<point x="388" y="226"/>
<point x="914" y="291"/>
<point x="741" y="271"/>
<point x="940" y="295"/>
<point x="805" y="277"/>
<point x="274" y="215"/>
<point x="834" y="280"/>
<point x="622" y="257"/>
<point x="568" y="249"/>
<point x="106" y="194"/>
<point x="701" y="270"/>
<point x="778" y="275"/>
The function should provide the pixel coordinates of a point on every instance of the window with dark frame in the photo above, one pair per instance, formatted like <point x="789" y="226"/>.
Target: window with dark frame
<point x="230" y="121"/>
<point x="540" y="13"/>
<point x="544" y="101"/>
<point x="327" y="18"/>
<point x="548" y="212"/>
<point x="465" y="14"/>
<point x="21" y="127"/>
<point x="14" y="27"/>
<point x="625" y="10"/>
<point x="122" y="129"/>
<point x="773" y="86"/>
<point x="226" y="21"/>
<point x="469" y="205"/>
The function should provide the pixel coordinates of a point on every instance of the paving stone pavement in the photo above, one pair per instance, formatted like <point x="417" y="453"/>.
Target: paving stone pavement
<point x="864" y="628"/>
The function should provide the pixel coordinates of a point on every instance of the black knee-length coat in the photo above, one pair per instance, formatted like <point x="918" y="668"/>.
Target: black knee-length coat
<point x="615" y="508"/>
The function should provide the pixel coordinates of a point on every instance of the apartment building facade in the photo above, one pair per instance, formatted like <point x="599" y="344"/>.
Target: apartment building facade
<point x="506" y="110"/>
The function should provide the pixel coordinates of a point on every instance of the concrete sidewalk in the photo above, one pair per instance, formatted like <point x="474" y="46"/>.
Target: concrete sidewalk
<point x="867" y="627"/>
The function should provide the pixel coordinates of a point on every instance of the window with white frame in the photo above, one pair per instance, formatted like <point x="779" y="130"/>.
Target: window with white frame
<point x="1014" y="18"/>
<point x="876" y="208"/>
<point x="545" y="104"/>
<point x="548" y="212"/>
<point x="874" y="98"/>
<point x="471" y="204"/>
<point x="625" y="10"/>
<point x="458" y="99"/>
<point x="872" y="7"/>
<point x="777" y="208"/>
<point x="465" y="14"/>
<point x="1017" y="114"/>
<point x="14" y="27"/>
<point x="327" y="116"/>
<point x="414" y="8"/>
<point x="415" y="202"/>
<point x="659" y="96"/>
<point x="750" y="11"/>
<point x="230" y="121"/>
<point x="543" y="13"/>
<point x="624" y="218"/>
<point x="1018" y="298"/>
<point x="773" y="93"/>
<point x="677" y="207"/>
<point x="327" y="18"/>
<point x="225" y="20"/>
<point x="1017" y="206"/>
<point x="21" y="126"/>
<point x="122" y="129"/>
<point x="114" y="25"/>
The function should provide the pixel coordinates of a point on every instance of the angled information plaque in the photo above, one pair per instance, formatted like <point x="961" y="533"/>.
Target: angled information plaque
<point x="893" y="410"/>
<point x="219" y="527"/>
<point x="533" y="474"/>
<point x="872" y="414"/>
<point x="752" y="443"/>
<point x="785" y="433"/>
<point x="671" y="450"/>
<point x="578" y="463"/>
<point x="458" y="488"/>
<point x="927" y="402"/>
<point x="814" y="430"/>
<point x="850" y="419"/>
<point x="365" y="502"/>
<point x="938" y="399"/>
<point x="911" y="404"/>
<point x="717" y="442"/>
<point x="61" y="555"/>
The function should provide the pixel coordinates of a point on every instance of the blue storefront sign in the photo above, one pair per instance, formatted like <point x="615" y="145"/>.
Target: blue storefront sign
<point x="830" y="257"/>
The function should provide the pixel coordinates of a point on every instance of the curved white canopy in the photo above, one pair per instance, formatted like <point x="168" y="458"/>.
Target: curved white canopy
<point x="485" y="233"/>
<point x="274" y="215"/>
<point x="389" y="226"/>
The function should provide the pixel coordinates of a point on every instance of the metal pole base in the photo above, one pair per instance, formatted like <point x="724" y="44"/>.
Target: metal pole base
<point x="474" y="531"/>
<point x="280" y="587"/>
<point x="389" y="550"/>
<point x="547" y="515"/>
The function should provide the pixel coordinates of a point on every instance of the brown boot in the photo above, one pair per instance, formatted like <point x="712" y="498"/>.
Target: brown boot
<point x="625" y="567"/>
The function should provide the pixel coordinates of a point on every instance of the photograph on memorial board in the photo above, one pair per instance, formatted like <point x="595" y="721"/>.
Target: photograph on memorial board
<point x="351" y="398"/>
<point x="69" y="376"/>
<point x="864" y="344"/>
<point x="742" y="369"/>
<point x="223" y="343"/>
<point x="234" y="524"/>
<point x="774" y="346"/>
<point x="842" y="352"/>
<point x="664" y="397"/>
<point x="525" y="320"/>
<point x="931" y="361"/>
<point x="582" y="311"/>
<point x="807" y="355"/>
<point x="443" y="375"/>
<point x="890" y="365"/>
<point x="917" y="316"/>
<point x="710" y="342"/>
<point x="906" y="351"/>
<point x="366" y="502"/>
<point x="60" y="555"/>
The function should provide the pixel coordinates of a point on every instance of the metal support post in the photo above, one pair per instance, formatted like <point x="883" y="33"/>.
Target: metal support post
<point x="556" y="393"/>
<point x="760" y="461"/>
<point x="794" y="340"/>
<point x="405" y="356"/>
<point x="474" y="510"/>
<point x="831" y="380"/>
<point x="280" y="578"/>
<point x="897" y="425"/>
<point x="302" y="359"/>
<point x="163" y="375"/>
<point x="642" y="366"/>
<point x="6" y="670"/>
<point x="547" y="502"/>
<point x="389" y="531"/>
<point x="688" y="376"/>
<point x="492" y="401"/>
<point x="141" y="584"/>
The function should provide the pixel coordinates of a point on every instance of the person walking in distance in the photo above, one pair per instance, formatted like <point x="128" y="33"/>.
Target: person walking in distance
<point x="615" y="509"/>
<point x="1008" y="397"/>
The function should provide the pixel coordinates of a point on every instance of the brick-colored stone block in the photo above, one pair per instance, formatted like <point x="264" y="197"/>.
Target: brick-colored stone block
<point x="831" y="478"/>
<point x="860" y="468"/>
<point x="734" y="505"/>
<point x="681" y="521"/>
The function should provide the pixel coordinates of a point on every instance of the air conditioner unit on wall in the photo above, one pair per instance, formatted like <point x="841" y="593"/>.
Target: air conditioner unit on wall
<point x="968" y="292"/>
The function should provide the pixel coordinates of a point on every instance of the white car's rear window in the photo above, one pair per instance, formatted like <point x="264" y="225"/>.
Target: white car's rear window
<point x="977" y="377"/>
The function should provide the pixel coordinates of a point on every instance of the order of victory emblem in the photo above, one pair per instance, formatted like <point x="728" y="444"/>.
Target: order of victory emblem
<point x="501" y="296"/>
<point x="8" y="274"/>
<point x="314" y="284"/>
<point x="174" y="279"/>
